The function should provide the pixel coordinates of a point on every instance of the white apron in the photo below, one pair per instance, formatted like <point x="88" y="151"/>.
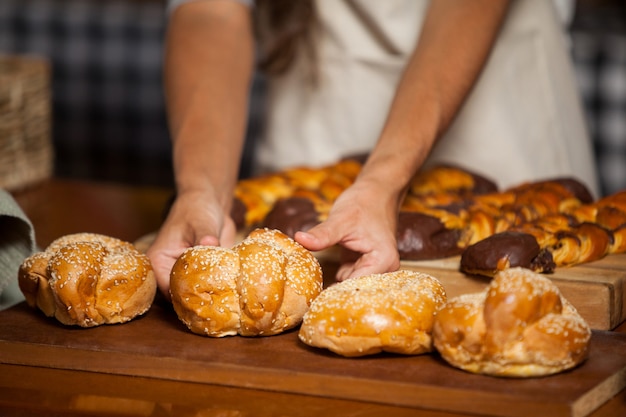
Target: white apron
<point x="522" y="121"/>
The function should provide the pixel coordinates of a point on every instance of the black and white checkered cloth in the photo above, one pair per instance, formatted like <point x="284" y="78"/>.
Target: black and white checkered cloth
<point x="108" y="105"/>
<point x="109" y="120"/>
<point x="601" y="69"/>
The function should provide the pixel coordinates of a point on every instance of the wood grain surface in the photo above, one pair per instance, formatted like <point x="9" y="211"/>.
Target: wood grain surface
<point x="158" y="346"/>
<point x="167" y="364"/>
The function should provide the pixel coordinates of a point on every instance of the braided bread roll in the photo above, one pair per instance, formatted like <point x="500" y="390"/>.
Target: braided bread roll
<point x="392" y="312"/>
<point x="441" y="231"/>
<point x="310" y="201"/>
<point x="526" y="203"/>
<point x="450" y="179"/>
<point x="260" y="287"/>
<point x="434" y="214"/>
<point x="610" y="213"/>
<point x="255" y="198"/>
<point x="293" y="214"/>
<point x="520" y="326"/>
<point x="88" y="279"/>
<point x="579" y="234"/>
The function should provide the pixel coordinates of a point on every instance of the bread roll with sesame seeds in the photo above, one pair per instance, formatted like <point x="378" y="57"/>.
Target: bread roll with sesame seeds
<point x="259" y="287"/>
<point x="390" y="312"/>
<point x="520" y="326"/>
<point x="88" y="279"/>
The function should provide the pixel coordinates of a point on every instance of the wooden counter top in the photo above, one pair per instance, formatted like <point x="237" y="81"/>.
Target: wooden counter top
<point x="159" y="346"/>
<point x="59" y="207"/>
<point x="154" y="367"/>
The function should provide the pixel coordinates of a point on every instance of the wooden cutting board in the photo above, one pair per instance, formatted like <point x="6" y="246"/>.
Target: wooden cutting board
<point x="157" y="345"/>
<point x="597" y="289"/>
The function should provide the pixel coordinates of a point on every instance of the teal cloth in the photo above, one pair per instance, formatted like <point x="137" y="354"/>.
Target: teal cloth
<point x="17" y="242"/>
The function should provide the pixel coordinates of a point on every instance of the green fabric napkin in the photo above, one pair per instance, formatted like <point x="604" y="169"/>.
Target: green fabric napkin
<point x="17" y="242"/>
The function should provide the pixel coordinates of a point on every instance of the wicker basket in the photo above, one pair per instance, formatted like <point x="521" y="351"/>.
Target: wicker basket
<point x="26" y="152"/>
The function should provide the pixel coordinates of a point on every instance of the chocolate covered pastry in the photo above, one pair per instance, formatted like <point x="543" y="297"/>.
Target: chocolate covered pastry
<point x="581" y="234"/>
<point x="475" y="218"/>
<point x="292" y="214"/>
<point x="256" y="198"/>
<point x="506" y="250"/>
<point x="421" y="236"/>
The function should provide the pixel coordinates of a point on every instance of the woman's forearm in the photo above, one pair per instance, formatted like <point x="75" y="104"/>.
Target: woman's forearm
<point x="454" y="45"/>
<point x="208" y="70"/>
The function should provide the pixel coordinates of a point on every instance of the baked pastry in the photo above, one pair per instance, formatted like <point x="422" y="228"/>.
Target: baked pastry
<point x="88" y="279"/>
<point x="610" y="213"/>
<point x="520" y="326"/>
<point x="310" y="201"/>
<point x="422" y="236"/>
<point x="427" y="231"/>
<point x="506" y="250"/>
<point x="392" y="312"/>
<point x="256" y="197"/>
<point x="448" y="210"/>
<point x="435" y="213"/>
<point x="450" y="179"/>
<point x="292" y="214"/>
<point x="551" y="241"/>
<point x="259" y="287"/>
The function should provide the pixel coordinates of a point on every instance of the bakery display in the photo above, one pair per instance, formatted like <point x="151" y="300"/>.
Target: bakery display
<point x="430" y="231"/>
<point x="87" y="280"/>
<point x="317" y="188"/>
<point x="520" y="326"/>
<point x="391" y="312"/>
<point x="577" y="234"/>
<point x="450" y="211"/>
<point x="262" y="286"/>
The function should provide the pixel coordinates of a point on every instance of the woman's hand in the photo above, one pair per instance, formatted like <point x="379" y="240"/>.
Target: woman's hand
<point x="194" y="219"/>
<point x="363" y="222"/>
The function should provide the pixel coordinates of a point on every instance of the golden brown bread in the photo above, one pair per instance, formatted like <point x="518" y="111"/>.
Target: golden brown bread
<point x="476" y="216"/>
<point x="392" y="312"/>
<point x="531" y="201"/>
<point x="451" y="180"/>
<point x="436" y="218"/>
<point x="448" y="209"/>
<point x="610" y="213"/>
<point x="576" y="234"/>
<point x="260" y="287"/>
<point x="258" y="195"/>
<point x="566" y="227"/>
<point x="322" y="185"/>
<point x="88" y="279"/>
<point x="520" y="326"/>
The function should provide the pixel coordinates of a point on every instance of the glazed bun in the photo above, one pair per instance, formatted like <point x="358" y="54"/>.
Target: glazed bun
<point x="260" y="287"/>
<point x="392" y="312"/>
<point x="88" y="279"/>
<point x="520" y="326"/>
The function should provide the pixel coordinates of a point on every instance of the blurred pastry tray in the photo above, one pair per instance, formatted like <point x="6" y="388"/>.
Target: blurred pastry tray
<point x="158" y="345"/>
